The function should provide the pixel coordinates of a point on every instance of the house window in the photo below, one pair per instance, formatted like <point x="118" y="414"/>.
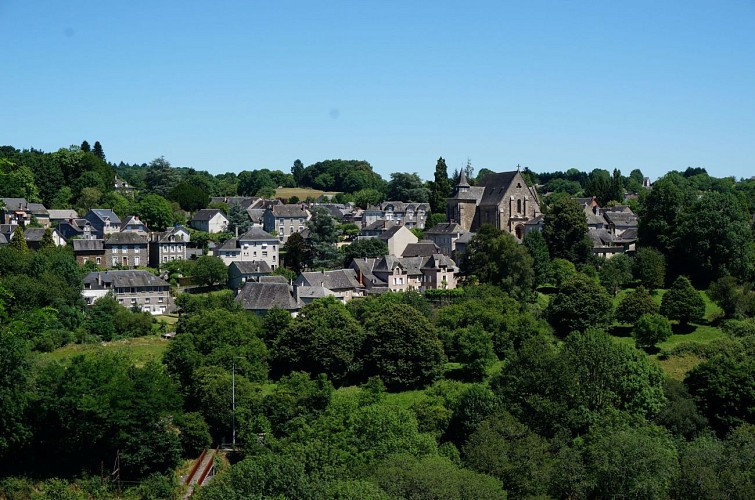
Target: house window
<point x="519" y="206"/>
<point x="115" y="261"/>
<point x="133" y="301"/>
<point x="165" y="258"/>
<point x="146" y="300"/>
<point x="264" y="254"/>
<point x="99" y="260"/>
<point x="120" y="301"/>
<point x="136" y="261"/>
<point x="136" y="249"/>
<point x="160" y="300"/>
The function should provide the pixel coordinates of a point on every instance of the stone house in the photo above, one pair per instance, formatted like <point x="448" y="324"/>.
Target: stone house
<point x="90" y="250"/>
<point x="34" y="236"/>
<point x="126" y="249"/>
<point x="285" y="220"/>
<point x="397" y="238"/>
<point x="402" y="274"/>
<point x="103" y="222"/>
<point x="209" y="220"/>
<point x="241" y="272"/>
<point x="20" y="211"/>
<point x="503" y="200"/>
<point x="445" y="235"/>
<point x="168" y="246"/>
<point x="140" y="289"/>
<point x="340" y="283"/>
<point x="260" y="297"/>
<point x="254" y="245"/>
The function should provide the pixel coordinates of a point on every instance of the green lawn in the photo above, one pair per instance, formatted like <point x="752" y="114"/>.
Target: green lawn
<point x="676" y="366"/>
<point x="140" y="350"/>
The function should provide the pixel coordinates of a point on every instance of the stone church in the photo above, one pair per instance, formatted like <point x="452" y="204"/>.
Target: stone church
<point x="503" y="200"/>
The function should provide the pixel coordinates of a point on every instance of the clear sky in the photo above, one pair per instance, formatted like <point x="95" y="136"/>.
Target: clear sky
<point x="240" y="85"/>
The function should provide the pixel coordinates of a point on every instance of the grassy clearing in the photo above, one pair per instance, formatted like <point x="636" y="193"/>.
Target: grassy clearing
<point x="140" y="350"/>
<point x="676" y="366"/>
<point x="302" y="193"/>
<point x="170" y="319"/>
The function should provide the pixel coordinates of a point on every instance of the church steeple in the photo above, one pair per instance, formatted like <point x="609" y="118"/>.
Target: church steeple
<point x="463" y="182"/>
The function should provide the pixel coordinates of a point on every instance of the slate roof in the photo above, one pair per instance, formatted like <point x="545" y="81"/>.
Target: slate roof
<point x="37" y="208"/>
<point x="124" y="279"/>
<point x="252" y="267"/>
<point x="206" y="214"/>
<point x="313" y="292"/>
<point x="7" y="228"/>
<point x="413" y="265"/>
<point x="465" y="238"/>
<point x="257" y="234"/>
<point x="381" y="225"/>
<point x="289" y="211"/>
<point x="424" y="248"/>
<point x="365" y="266"/>
<point x="244" y="201"/>
<point x="495" y="185"/>
<point x="14" y="204"/>
<point x="445" y="228"/>
<point x="3" y="239"/>
<point x="133" y="220"/>
<point x="163" y="237"/>
<point x="621" y="219"/>
<point x="390" y="232"/>
<point x="64" y="214"/>
<point x="34" y="234"/>
<point x="88" y="246"/>
<point x="126" y="238"/>
<point x="273" y="279"/>
<point x="264" y="296"/>
<point x="104" y="213"/>
<point x="256" y="215"/>
<point x="339" y="279"/>
<point x="400" y="206"/>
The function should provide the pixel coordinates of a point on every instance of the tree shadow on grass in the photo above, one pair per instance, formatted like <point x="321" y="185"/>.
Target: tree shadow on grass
<point x="652" y="350"/>
<point x="621" y="330"/>
<point x="680" y="329"/>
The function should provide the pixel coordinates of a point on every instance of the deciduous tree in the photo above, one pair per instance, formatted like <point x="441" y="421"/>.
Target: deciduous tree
<point x="682" y="302"/>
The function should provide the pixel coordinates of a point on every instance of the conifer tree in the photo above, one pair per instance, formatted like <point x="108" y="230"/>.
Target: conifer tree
<point x="18" y="241"/>
<point x="98" y="152"/>
<point x="47" y="241"/>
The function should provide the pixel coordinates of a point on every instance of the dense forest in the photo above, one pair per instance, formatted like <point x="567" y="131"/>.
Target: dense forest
<point x="549" y="373"/>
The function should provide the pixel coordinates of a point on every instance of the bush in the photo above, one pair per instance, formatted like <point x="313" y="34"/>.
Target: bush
<point x="634" y="305"/>
<point x="650" y="330"/>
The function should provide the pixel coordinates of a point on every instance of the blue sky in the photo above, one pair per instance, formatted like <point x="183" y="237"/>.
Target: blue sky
<point x="240" y="85"/>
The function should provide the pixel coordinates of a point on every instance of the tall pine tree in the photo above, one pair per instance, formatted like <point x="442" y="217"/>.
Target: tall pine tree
<point x="441" y="188"/>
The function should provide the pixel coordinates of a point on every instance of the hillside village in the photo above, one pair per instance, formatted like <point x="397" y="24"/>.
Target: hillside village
<point x="326" y="333"/>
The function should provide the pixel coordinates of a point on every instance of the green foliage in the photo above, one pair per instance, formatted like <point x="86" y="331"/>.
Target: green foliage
<point x="224" y="338"/>
<point x="682" y="302"/>
<point x="441" y="189"/>
<point x="739" y="328"/>
<point x="497" y="258"/>
<point x="660" y="211"/>
<point x="295" y="253"/>
<point x="161" y="178"/>
<point x="565" y="231"/>
<point x="474" y="404"/>
<point x="711" y="468"/>
<point x="368" y="197"/>
<point x="724" y="388"/>
<point x="581" y="303"/>
<point x="650" y="268"/>
<point x="349" y="176"/>
<point x="651" y="329"/>
<point x="407" y="188"/>
<point x="15" y="380"/>
<point x="109" y="320"/>
<point x="323" y="338"/>
<point x="101" y="403"/>
<point x="737" y="301"/>
<point x="194" y="433"/>
<point x="18" y="241"/>
<point x="432" y="477"/>
<point x="634" y="305"/>
<point x="616" y="273"/>
<point x="402" y="348"/>
<point x="475" y="348"/>
<point x="639" y="462"/>
<point x="323" y="237"/>
<point x="156" y="212"/>
<point x="538" y="250"/>
<point x="189" y="196"/>
<point x="210" y="271"/>
<point x="680" y="414"/>
<point x="715" y="239"/>
<point x="506" y="449"/>
<point x="564" y="389"/>
<point x="370" y="248"/>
